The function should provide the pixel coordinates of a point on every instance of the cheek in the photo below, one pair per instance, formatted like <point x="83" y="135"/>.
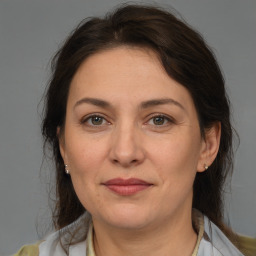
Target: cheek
<point x="85" y="153"/>
<point x="176" y="160"/>
<point x="178" y="151"/>
<point x="85" y="160"/>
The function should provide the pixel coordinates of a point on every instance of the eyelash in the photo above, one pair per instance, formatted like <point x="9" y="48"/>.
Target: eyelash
<point x="87" y="118"/>
<point x="167" y="120"/>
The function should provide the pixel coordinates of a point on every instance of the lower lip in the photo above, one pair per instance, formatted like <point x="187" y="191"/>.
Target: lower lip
<point x="127" y="190"/>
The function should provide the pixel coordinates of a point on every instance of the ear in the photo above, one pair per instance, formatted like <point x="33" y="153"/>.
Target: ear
<point x="61" y="143"/>
<point x="210" y="147"/>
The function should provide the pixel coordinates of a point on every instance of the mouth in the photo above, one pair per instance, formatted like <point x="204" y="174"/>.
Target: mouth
<point x="126" y="187"/>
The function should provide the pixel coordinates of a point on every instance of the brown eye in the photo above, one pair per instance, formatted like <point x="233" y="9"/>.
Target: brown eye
<point x="96" y="120"/>
<point x="159" y="120"/>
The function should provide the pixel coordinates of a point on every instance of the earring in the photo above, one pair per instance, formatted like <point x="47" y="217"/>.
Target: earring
<point x="206" y="166"/>
<point x="66" y="169"/>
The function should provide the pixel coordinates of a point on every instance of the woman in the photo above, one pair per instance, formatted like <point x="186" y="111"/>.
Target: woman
<point x="138" y="121"/>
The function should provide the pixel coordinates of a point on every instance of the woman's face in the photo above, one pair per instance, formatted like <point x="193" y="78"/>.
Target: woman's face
<point x="131" y="140"/>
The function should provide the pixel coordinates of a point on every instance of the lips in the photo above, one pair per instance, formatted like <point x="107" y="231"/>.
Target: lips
<point x="126" y="187"/>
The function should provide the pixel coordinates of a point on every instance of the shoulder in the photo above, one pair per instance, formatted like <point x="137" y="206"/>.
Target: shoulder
<point x="70" y="240"/>
<point x="54" y="245"/>
<point x="29" y="250"/>
<point x="51" y="246"/>
<point x="214" y="242"/>
<point x="248" y="244"/>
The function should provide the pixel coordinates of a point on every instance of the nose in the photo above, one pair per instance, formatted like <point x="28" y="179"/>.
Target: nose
<point x="127" y="147"/>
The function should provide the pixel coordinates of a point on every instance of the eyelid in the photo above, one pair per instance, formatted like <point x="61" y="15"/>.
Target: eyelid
<point x="84" y="119"/>
<point x="167" y="117"/>
<point x="170" y="119"/>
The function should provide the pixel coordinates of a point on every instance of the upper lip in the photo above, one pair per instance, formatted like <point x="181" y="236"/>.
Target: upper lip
<point x="126" y="182"/>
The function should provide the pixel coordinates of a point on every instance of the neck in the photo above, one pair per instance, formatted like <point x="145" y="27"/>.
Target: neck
<point x="167" y="238"/>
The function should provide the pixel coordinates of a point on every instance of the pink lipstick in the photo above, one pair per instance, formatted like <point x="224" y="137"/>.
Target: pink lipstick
<point x="126" y="187"/>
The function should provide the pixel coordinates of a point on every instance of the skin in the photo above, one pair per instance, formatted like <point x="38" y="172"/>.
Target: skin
<point x="131" y="136"/>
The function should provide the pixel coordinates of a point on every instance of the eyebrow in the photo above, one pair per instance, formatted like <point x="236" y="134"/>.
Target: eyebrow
<point x="157" y="102"/>
<point x="94" y="101"/>
<point x="143" y="105"/>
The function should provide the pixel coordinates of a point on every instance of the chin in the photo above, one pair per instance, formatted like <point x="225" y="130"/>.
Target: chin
<point x="132" y="224"/>
<point x="128" y="218"/>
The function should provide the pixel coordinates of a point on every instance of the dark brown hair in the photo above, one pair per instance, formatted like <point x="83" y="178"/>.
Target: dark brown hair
<point x="185" y="57"/>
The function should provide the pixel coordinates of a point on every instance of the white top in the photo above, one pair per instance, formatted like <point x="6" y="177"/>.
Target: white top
<point x="211" y="241"/>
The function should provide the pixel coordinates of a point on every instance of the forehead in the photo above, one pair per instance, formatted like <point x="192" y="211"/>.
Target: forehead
<point x="125" y="73"/>
<point x="118" y="63"/>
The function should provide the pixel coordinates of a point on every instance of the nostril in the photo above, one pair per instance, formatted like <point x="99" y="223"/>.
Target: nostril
<point x="126" y="163"/>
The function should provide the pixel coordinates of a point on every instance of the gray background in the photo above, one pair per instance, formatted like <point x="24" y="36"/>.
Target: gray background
<point x="31" y="31"/>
